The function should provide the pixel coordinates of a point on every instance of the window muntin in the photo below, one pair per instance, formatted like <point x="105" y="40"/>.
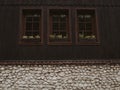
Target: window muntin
<point x="31" y="32"/>
<point x="59" y="31"/>
<point x="32" y="26"/>
<point x="86" y="32"/>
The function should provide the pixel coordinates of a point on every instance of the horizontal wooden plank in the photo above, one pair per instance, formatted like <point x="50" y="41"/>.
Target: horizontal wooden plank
<point x="62" y="62"/>
<point x="61" y="2"/>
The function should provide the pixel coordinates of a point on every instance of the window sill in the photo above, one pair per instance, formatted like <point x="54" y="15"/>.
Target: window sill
<point x="60" y="43"/>
<point x="88" y="42"/>
<point x="58" y="40"/>
<point x="30" y="42"/>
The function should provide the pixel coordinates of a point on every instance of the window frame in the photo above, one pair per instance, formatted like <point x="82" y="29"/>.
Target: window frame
<point x="87" y="42"/>
<point x="49" y="26"/>
<point x="22" y="26"/>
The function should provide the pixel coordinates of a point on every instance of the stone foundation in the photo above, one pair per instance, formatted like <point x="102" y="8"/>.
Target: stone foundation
<point x="57" y="77"/>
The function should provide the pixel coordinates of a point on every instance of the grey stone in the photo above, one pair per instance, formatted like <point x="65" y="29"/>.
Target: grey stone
<point x="56" y="77"/>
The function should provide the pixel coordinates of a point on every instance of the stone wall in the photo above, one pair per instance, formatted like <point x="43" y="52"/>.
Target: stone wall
<point x="57" y="77"/>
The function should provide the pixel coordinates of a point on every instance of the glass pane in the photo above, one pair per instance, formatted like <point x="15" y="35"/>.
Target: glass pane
<point x="63" y="33"/>
<point x="88" y="26"/>
<point x="81" y="18"/>
<point x="55" y="18"/>
<point x="81" y="26"/>
<point x="28" y="26"/>
<point x="28" y="19"/>
<point x="63" y="18"/>
<point x="28" y="33"/>
<point x="36" y="33"/>
<point x="35" y="26"/>
<point x="88" y="33"/>
<point x="55" y="26"/>
<point x="36" y="19"/>
<point x="63" y="26"/>
<point x="88" y="18"/>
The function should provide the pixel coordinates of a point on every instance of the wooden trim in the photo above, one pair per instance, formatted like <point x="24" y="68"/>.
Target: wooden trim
<point x="61" y="62"/>
<point x="97" y="29"/>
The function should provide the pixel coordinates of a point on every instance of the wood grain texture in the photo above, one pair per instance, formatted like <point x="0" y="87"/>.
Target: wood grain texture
<point x="108" y="12"/>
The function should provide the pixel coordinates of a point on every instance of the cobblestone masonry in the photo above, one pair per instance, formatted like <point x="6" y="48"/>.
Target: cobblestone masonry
<point x="56" y="77"/>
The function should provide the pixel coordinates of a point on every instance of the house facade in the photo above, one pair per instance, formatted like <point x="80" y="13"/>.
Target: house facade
<point x="59" y="29"/>
<point x="46" y="44"/>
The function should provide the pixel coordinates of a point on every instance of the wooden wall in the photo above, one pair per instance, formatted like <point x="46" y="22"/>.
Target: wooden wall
<point x="108" y="13"/>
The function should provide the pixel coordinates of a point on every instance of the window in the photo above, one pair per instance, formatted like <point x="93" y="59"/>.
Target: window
<point x="86" y="29"/>
<point x="31" y="28"/>
<point x="59" y="27"/>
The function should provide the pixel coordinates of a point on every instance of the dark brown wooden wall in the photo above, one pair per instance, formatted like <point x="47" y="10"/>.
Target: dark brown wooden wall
<point x="108" y="13"/>
<point x="60" y="2"/>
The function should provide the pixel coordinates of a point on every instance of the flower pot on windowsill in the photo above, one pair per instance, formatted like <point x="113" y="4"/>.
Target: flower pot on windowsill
<point x="91" y="38"/>
<point x="30" y="37"/>
<point x="52" y="37"/>
<point x="37" y="37"/>
<point x="24" y="37"/>
<point x="59" y="36"/>
<point x="87" y="38"/>
<point x="65" y="37"/>
<point x="81" y="35"/>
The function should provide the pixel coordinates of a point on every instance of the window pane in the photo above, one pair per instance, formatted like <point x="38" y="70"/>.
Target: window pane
<point x="28" y="19"/>
<point x="35" y="26"/>
<point x="55" y="26"/>
<point x="55" y="18"/>
<point x="63" y="26"/>
<point x="81" y="26"/>
<point x="35" y="33"/>
<point x="36" y="19"/>
<point x="63" y="18"/>
<point x="28" y="26"/>
<point x="88" y="26"/>
<point x="81" y="18"/>
<point x="27" y="33"/>
<point x="88" y="18"/>
<point x="88" y="33"/>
